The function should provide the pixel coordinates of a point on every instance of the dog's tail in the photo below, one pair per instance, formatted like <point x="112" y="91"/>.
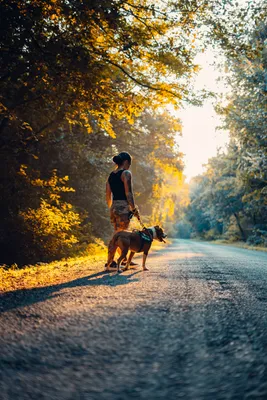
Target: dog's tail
<point x="112" y="247"/>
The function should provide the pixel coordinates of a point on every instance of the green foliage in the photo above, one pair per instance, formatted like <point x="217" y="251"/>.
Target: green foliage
<point x="183" y="229"/>
<point x="83" y="80"/>
<point x="219" y="204"/>
<point x="258" y="236"/>
<point x="232" y="192"/>
<point x="58" y="216"/>
<point x="52" y="224"/>
<point x="69" y="68"/>
<point x="81" y="61"/>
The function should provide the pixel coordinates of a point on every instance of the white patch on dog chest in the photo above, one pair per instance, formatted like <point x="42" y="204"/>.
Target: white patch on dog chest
<point x="154" y="233"/>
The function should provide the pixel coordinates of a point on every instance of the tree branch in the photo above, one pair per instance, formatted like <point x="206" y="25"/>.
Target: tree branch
<point x="138" y="82"/>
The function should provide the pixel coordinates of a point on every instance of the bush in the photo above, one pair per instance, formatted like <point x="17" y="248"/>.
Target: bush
<point x="232" y="233"/>
<point x="212" y="234"/>
<point x="52" y="227"/>
<point x="258" y="237"/>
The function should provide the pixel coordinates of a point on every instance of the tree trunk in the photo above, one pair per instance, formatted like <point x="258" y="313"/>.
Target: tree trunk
<point x="243" y="235"/>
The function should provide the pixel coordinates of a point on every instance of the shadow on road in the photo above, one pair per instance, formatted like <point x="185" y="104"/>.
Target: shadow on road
<point x="25" y="297"/>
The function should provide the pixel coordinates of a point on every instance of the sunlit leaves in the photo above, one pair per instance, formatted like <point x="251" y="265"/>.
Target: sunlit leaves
<point x="53" y="222"/>
<point x="82" y="59"/>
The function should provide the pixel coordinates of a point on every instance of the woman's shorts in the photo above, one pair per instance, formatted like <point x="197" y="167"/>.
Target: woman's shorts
<point x="119" y="214"/>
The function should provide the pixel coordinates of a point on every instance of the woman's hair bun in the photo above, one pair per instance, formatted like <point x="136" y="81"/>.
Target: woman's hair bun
<point x="120" y="158"/>
<point x="117" y="159"/>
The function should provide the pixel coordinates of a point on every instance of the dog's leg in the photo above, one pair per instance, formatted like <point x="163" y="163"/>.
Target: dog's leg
<point x="129" y="261"/>
<point x="122" y="257"/>
<point x="112" y="247"/>
<point x="144" y="262"/>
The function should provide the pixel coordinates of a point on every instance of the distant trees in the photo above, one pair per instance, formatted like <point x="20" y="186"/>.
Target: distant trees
<point x="216" y="197"/>
<point x="231" y="197"/>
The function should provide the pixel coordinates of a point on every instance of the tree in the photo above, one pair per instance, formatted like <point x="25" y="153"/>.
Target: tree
<point x="70" y="68"/>
<point x="86" y="62"/>
<point x="236" y="180"/>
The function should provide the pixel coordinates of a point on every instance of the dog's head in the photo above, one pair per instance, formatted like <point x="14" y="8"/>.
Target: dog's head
<point x="160" y="234"/>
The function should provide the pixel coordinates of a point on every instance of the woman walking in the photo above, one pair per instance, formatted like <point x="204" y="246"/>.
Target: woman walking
<point x="119" y="193"/>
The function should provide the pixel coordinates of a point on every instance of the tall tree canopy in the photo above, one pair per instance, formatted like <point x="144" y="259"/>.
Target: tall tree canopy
<point x="69" y="68"/>
<point x="85" y="61"/>
<point x="233" y="191"/>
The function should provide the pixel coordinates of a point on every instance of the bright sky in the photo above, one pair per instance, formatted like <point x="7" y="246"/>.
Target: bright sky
<point x="200" y="139"/>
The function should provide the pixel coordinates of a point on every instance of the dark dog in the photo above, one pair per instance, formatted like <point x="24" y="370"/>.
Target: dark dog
<point x="136" y="242"/>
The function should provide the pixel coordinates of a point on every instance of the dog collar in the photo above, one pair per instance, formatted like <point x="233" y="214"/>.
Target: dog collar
<point x="154" y="233"/>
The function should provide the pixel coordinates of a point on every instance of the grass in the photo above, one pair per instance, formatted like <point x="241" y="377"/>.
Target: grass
<point x="239" y="244"/>
<point x="56" y="272"/>
<point x="32" y="276"/>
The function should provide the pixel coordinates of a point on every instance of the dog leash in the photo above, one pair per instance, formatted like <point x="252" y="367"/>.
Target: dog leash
<point x="144" y="228"/>
<point x="142" y="224"/>
<point x="137" y="215"/>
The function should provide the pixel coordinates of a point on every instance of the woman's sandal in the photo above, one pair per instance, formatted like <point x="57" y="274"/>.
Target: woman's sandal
<point x="113" y="265"/>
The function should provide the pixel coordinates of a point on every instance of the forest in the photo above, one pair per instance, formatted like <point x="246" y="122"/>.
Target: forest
<point x="82" y="80"/>
<point x="229" y="200"/>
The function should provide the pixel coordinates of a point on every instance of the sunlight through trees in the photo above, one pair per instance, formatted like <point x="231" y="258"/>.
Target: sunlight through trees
<point x="83" y="80"/>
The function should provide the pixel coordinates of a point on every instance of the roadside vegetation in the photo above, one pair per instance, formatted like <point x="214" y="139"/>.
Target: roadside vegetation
<point x="15" y="277"/>
<point x="82" y="81"/>
<point x="229" y="201"/>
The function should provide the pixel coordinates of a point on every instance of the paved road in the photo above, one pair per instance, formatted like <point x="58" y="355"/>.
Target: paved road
<point x="194" y="327"/>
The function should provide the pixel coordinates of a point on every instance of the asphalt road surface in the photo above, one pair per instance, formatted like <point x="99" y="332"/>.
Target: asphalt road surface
<point x="193" y="327"/>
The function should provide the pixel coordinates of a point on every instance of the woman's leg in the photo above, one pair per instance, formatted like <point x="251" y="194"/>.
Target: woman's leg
<point x="119" y="217"/>
<point x="121" y="224"/>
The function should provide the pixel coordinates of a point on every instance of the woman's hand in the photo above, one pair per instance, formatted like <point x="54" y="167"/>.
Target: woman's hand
<point x="136" y="213"/>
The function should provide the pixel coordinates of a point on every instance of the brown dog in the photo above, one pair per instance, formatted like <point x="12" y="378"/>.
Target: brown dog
<point x="137" y="242"/>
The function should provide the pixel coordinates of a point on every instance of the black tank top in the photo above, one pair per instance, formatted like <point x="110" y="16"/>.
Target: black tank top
<point x="117" y="186"/>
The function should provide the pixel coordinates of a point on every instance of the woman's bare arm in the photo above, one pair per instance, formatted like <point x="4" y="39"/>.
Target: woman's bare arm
<point x="127" y="180"/>
<point x="108" y="195"/>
